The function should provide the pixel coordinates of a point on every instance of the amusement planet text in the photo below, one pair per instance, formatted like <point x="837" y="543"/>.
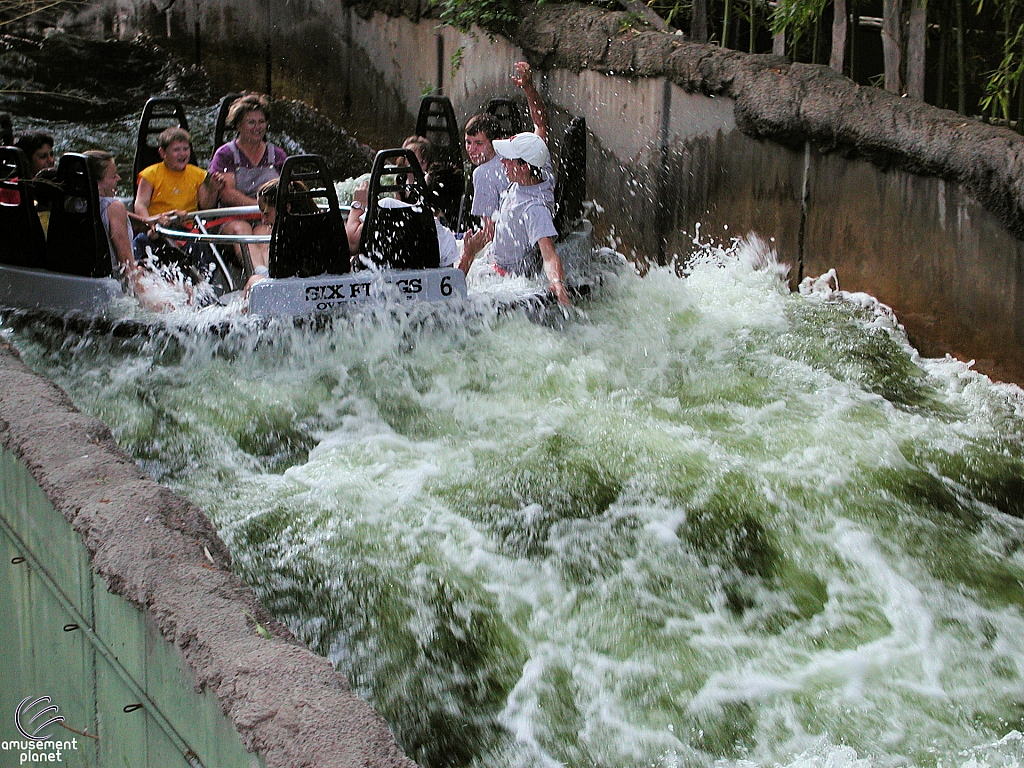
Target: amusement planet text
<point x="32" y="751"/>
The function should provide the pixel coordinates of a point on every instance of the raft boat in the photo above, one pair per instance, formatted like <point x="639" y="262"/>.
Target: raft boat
<point x="310" y="271"/>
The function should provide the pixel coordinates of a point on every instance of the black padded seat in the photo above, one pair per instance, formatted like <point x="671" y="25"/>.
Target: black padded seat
<point x="308" y="239"/>
<point x="221" y="126"/>
<point x="571" y="182"/>
<point x="22" y="243"/>
<point x="436" y="122"/>
<point x="509" y="115"/>
<point x="76" y="242"/>
<point x="402" y="237"/>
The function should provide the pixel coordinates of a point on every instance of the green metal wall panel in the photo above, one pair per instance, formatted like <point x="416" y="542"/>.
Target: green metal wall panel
<point x="63" y="635"/>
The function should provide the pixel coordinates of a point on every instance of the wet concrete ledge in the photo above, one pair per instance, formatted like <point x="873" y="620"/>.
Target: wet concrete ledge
<point x="161" y="554"/>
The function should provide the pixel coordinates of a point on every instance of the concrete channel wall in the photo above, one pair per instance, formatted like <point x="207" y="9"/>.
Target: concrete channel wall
<point x="118" y="603"/>
<point x="917" y="206"/>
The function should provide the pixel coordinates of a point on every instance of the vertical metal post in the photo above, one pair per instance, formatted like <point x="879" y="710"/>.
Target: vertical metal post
<point x="440" y="64"/>
<point x="661" y="203"/>
<point x="268" y="84"/>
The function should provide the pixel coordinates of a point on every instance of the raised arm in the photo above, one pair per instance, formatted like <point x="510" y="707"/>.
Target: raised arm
<point x="523" y="78"/>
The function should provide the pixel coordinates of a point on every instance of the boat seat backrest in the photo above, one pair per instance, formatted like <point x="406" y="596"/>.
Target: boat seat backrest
<point x="571" y="182"/>
<point x="509" y="115"/>
<point x="221" y="127"/>
<point x="76" y="241"/>
<point x="401" y="237"/>
<point x="436" y="122"/>
<point x="6" y="130"/>
<point x="308" y="238"/>
<point x="22" y="243"/>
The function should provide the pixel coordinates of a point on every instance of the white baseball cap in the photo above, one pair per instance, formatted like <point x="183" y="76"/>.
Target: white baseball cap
<point x="524" y="146"/>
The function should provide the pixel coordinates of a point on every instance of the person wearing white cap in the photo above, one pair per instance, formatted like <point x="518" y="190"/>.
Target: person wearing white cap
<point x="523" y="235"/>
<point x="489" y="180"/>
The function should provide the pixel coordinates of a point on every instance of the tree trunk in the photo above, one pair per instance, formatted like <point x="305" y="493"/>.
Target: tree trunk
<point x="892" y="44"/>
<point x="815" y="37"/>
<point x="699" y="26"/>
<point x="838" y="55"/>
<point x="854" y="41"/>
<point x="917" y="45"/>
<point x="779" y="43"/>
<point x="940" y="80"/>
<point x="961" y="63"/>
<point x="725" y="23"/>
<point x="753" y="27"/>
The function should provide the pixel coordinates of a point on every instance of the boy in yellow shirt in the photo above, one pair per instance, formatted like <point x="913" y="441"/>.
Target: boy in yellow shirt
<point x="173" y="186"/>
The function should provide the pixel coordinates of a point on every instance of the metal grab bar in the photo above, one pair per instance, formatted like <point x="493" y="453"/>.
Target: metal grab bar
<point x="219" y="213"/>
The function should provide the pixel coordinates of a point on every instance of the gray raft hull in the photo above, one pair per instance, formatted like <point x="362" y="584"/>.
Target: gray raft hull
<point x="295" y="296"/>
<point x="24" y="288"/>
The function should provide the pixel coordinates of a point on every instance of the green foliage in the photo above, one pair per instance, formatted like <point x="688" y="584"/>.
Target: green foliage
<point x="456" y="59"/>
<point x="676" y="13"/>
<point x="490" y="15"/>
<point x="795" y="18"/>
<point x="1004" y="80"/>
<point x="629" y="21"/>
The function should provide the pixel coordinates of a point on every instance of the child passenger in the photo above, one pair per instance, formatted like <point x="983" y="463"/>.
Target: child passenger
<point x="259" y="253"/>
<point x="174" y="186"/>
<point x="114" y="216"/>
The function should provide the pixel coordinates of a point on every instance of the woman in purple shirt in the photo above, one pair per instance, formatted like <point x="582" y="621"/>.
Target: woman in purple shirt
<point x="248" y="162"/>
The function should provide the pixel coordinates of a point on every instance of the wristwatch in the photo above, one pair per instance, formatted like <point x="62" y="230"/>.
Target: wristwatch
<point x="357" y="205"/>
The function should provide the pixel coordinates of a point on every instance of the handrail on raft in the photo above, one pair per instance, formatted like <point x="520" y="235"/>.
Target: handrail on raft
<point x="214" y="214"/>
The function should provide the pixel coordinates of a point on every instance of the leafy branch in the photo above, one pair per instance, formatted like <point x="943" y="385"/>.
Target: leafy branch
<point x="490" y="15"/>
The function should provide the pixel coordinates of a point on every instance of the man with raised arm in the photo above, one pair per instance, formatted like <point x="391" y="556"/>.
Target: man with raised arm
<point x="522" y="233"/>
<point x="489" y="179"/>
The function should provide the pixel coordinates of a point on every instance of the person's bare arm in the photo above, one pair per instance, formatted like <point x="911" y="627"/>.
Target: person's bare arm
<point x="473" y="243"/>
<point x="553" y="270"/>
<point x="538" y="113"/>
<point x="121" y="237"/>
<point x="209" y="192"/>
<point x="143" y="199"/>
<point x="229" y="196"/>
<point x="354" y="222"/>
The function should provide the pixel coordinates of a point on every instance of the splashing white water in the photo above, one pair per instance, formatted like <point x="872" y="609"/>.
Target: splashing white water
<point x="697" y="522"/>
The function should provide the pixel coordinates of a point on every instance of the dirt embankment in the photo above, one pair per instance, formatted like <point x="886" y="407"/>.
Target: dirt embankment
<point x="162" y="554"/>
<point x="780" y="101"/>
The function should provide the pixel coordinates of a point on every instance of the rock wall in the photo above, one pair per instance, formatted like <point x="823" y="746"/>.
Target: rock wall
<point x="921" y="207"/>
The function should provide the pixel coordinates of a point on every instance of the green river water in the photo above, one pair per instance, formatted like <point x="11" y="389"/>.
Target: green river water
<point x="699" y="521"/>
